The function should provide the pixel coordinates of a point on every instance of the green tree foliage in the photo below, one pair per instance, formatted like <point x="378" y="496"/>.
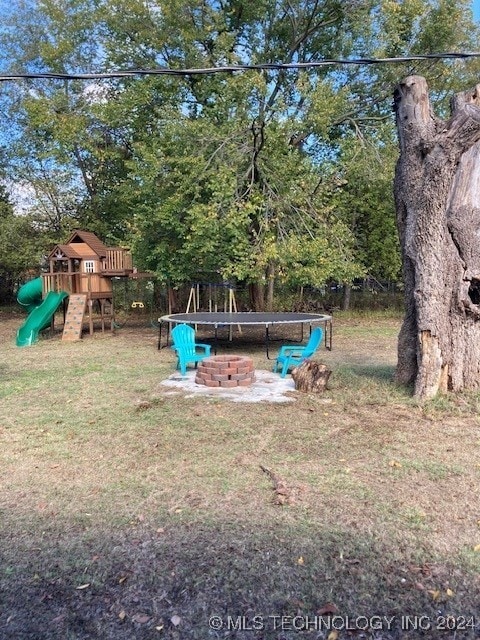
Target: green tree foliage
<point x="20" y="249"/>
<point x="231" y="182"/>
<point x="59" y="143"/>
<point x="254" y="175"/>
<point x="365" y="199"/>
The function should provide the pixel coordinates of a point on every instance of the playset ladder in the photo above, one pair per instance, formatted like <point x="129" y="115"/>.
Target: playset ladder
<point x="72" y="329"/>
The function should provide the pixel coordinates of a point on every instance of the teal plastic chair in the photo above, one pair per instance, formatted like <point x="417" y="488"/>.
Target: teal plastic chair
<point x="292" y="355"/>
<point x="186" y="348"/>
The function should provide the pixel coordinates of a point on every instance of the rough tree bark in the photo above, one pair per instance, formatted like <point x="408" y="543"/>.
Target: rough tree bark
<point x="270" y="285"/>
<point x="257" y="296"/>
<point x="437" y="194"/>
<point x="311" y="376"/>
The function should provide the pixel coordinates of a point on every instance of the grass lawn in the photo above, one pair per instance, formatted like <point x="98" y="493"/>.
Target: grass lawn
<point x="130" y="514"/>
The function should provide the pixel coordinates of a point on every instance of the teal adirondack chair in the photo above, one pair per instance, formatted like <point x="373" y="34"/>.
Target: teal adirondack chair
<point x="292" y="355"/>
<point x="186" y="348"/>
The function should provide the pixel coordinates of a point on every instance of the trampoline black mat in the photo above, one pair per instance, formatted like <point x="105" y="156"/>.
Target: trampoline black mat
<point x="244" y="318"/>
<point x="248" y="318"/>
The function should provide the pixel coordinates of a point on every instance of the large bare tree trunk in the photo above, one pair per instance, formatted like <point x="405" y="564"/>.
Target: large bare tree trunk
<point x="257" y="296"/>
<point x="270" y="285"/>
<point x="347" y="296"/>
<point x="437" y="193"/>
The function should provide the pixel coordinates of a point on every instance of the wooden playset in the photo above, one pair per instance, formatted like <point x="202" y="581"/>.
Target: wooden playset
<point x="80" y="271"/>
<point x="83" y="267"/>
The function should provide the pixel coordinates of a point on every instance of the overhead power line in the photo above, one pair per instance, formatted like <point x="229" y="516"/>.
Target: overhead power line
<point x="166" y="71"/>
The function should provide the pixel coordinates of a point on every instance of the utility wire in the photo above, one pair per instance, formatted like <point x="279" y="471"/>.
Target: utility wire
<point x="166" y="71"/>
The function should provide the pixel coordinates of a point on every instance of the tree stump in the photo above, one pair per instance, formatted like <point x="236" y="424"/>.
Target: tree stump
<point x="311" y="376"/>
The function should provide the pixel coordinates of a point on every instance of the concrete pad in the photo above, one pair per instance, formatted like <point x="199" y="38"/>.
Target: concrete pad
<point x="268" y="387"/>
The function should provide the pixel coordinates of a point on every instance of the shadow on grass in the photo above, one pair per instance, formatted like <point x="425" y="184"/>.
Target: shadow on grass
<point x="263" y="584"/>
<point x="383" y="373"/>
<point x="375" y="372"/>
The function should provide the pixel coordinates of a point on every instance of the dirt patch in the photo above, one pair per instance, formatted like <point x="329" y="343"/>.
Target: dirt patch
<point x="267" y="387"/>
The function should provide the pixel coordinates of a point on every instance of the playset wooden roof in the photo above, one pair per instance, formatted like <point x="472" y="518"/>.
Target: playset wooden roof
<point x="89" y="238"/>
<point x="67" y="250"/>
<point x="81" y="245"/>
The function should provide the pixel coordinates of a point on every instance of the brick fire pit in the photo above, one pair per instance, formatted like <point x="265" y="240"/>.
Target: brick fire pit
<point x="226" y="371"/>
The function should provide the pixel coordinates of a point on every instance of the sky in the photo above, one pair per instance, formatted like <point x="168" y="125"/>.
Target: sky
<point x="476" y="9"/>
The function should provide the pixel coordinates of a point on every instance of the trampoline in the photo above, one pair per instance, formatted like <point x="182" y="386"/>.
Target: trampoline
<point x="219" y="320"/>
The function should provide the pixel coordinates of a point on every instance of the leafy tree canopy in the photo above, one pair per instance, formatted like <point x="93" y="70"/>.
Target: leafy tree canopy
<point x="20" y="247"/>
<point x="285" y="173"/>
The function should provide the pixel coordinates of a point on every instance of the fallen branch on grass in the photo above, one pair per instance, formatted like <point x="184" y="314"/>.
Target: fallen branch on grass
<point x="283" y="494"/>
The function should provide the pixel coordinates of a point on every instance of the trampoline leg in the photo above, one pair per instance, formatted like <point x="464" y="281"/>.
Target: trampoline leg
<point x="330" y="334"/>
<point x="159" y="346"/>
<point x="266" y="341"/>
<point x="160" y="335"/>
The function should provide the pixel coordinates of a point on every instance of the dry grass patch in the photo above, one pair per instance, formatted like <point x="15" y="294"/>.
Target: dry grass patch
<point x="160" y="505"/>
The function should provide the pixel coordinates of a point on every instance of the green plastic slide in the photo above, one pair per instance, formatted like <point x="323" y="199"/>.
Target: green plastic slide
<point x="40" y="311"/>
<point x="30" y="294"/>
